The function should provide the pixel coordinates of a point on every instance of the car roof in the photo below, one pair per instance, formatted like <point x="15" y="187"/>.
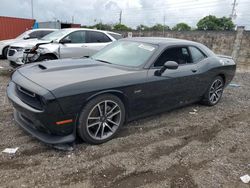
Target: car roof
<point x="161" y="40"/>
<point x="87" y="29"/>
<point x="43" y="29"/>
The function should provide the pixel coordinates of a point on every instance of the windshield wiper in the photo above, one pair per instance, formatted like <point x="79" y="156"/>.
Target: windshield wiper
<point x="103" y="61"/>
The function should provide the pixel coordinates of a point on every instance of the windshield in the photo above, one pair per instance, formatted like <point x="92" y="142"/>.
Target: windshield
<point x="23" y="35"/>
<point x="125" y="53"/>
<point x="55" y="35"/>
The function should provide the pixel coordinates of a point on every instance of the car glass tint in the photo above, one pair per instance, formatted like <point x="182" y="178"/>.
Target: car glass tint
<point x="35" y="34"/>
<point x="97" y="37"/>
<point x="45" y="33"/>
<point x="116" y="36"/>
<point x="126" y="53"/>
<point x="197" y="55"/>
<point x="77" y="37"/>
<point x="178" y="54"/>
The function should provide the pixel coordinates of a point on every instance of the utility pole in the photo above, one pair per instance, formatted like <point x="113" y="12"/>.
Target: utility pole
<point x="233" y="13"/>
<point x="163" y="30"/>
<point x="120" y="17"/>
<point x="32" y="13"/>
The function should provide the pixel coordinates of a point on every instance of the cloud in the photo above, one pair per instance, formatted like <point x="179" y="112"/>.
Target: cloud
<point x="134" y="12"/>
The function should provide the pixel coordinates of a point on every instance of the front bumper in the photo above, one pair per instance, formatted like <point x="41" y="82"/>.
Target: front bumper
<point x="41" y="123"/>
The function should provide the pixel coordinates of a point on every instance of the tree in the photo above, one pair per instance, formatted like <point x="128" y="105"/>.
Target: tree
<point x="142" y="28"/>
<point x="102" y="26"/>
<point x="213" y="23"/>
<point x="121" y="27"/>
<point x="159" y="27"/>
<point x="181" y="27"/>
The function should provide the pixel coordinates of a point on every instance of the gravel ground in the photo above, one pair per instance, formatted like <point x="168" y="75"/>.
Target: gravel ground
<point x="172" y="149"/>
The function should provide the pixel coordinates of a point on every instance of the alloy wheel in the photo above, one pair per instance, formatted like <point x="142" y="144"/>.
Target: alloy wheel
<point x="215" y="91"/>
<point x="104" y="119"/>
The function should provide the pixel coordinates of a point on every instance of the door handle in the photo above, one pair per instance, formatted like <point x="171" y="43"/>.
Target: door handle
<point x="194" y="70"/>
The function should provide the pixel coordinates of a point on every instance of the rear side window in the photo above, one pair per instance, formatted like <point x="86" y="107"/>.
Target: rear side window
<point x="115" y="36"/>
<point x="178" y="54"/>
<point x="197" y="55"/>
<point x="97" y="37"/>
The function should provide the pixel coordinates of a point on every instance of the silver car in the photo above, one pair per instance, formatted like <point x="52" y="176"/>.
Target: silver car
<point x="29" y="34"/>
<point x="67" y="43"/>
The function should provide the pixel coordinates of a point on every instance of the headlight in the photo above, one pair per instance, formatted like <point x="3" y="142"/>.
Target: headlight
<point x="19" y="49"/>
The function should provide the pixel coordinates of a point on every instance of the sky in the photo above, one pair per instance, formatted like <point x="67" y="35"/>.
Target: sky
<point x="134" y="12"/>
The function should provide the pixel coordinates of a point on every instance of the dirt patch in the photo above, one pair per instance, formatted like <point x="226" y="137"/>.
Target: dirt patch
<point x="172" y="149"/>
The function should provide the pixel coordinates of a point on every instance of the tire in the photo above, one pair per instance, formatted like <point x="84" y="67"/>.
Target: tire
<point x="45" y="58"/>
<point x="95" y="126"/>
<point x="5" y="51"/>
<point x="214" y="93"/>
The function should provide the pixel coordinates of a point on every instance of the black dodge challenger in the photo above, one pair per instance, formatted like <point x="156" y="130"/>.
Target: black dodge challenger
<point x="57" y="100"/>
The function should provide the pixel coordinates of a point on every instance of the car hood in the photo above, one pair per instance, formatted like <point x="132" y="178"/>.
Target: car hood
<point x="28" y="43"/>
<point x="69" y="73"/>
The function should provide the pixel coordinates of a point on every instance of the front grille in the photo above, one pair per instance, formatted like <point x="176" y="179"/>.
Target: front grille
<point x="11" y="52"/>
<point x="29" y="97"/>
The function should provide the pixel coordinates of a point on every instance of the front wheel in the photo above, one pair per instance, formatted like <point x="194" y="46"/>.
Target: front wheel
<point x="214" y="92"/>
<point x="101" y="119"/>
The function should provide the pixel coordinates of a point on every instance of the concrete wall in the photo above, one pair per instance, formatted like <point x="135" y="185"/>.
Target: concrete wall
<point x="231" y="43"/>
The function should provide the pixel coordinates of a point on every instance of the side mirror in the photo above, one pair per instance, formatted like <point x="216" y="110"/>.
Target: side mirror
<point x="168" y="65"/>
<point x="65" y="40"/>
<point x="26" y="37"/>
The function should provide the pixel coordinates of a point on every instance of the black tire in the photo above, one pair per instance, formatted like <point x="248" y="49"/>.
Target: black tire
<point x="208" y="99"/>
<point x="85" y="128"/>
<point x="46" y="58"/>
<point x="5" y="51"/>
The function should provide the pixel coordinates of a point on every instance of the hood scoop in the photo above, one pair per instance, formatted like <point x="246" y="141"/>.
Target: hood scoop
<point x="42" y="67"/>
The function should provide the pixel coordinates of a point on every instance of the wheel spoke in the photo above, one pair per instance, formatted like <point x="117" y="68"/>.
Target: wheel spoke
<point x="115" y="113"/>
<point x="102" y="130"/>
<point x="99" y="109"/>
<point x="94" y="118"/>
<point x="105" y="107"/>
<point x="98" y="129"/>
<point x="112" y="110"/>
<point x="109" y="120"/>
<point x="108" y="127"/>
<point x="94" y="124"/>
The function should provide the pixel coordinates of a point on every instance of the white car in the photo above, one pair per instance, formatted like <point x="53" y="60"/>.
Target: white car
<point x="30" y="34"/>
<point x="64" y="43"/>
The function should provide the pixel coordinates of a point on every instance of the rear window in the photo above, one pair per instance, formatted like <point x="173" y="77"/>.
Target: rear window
<point x="116" y="36"/>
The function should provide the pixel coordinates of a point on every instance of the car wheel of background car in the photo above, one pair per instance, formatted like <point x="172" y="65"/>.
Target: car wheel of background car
<point x="101" y="119"/>
<point x="45" y="58"/>
<point x="214" y="93"/>
<point x="5" y="51"/>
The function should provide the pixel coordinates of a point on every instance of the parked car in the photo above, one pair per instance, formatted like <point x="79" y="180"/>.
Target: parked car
<point x="30" y="34"/>
<point x="128" y="79"/>
<point x="65" y="43"/>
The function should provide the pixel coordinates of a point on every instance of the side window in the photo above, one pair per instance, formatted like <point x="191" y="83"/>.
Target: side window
<point x="95" y="37"/>
<point x="77" y="37"/>
<point x="178" y="54"/>
<point x="197" y="55"/>
<point x="35" y="34"/>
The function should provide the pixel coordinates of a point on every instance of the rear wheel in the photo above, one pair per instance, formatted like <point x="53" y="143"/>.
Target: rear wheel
<point x="101" y="119"/>
<point x="45" y="58"/>
<point x="214" y="92"/>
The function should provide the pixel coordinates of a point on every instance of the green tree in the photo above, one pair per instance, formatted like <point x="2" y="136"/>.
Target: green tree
<point x="159" y="27"/>
<point x="181" y="27"/>
<point x="213" y="23"/>
<point x="142" y="27"/>
<point x="121" y="27"/>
